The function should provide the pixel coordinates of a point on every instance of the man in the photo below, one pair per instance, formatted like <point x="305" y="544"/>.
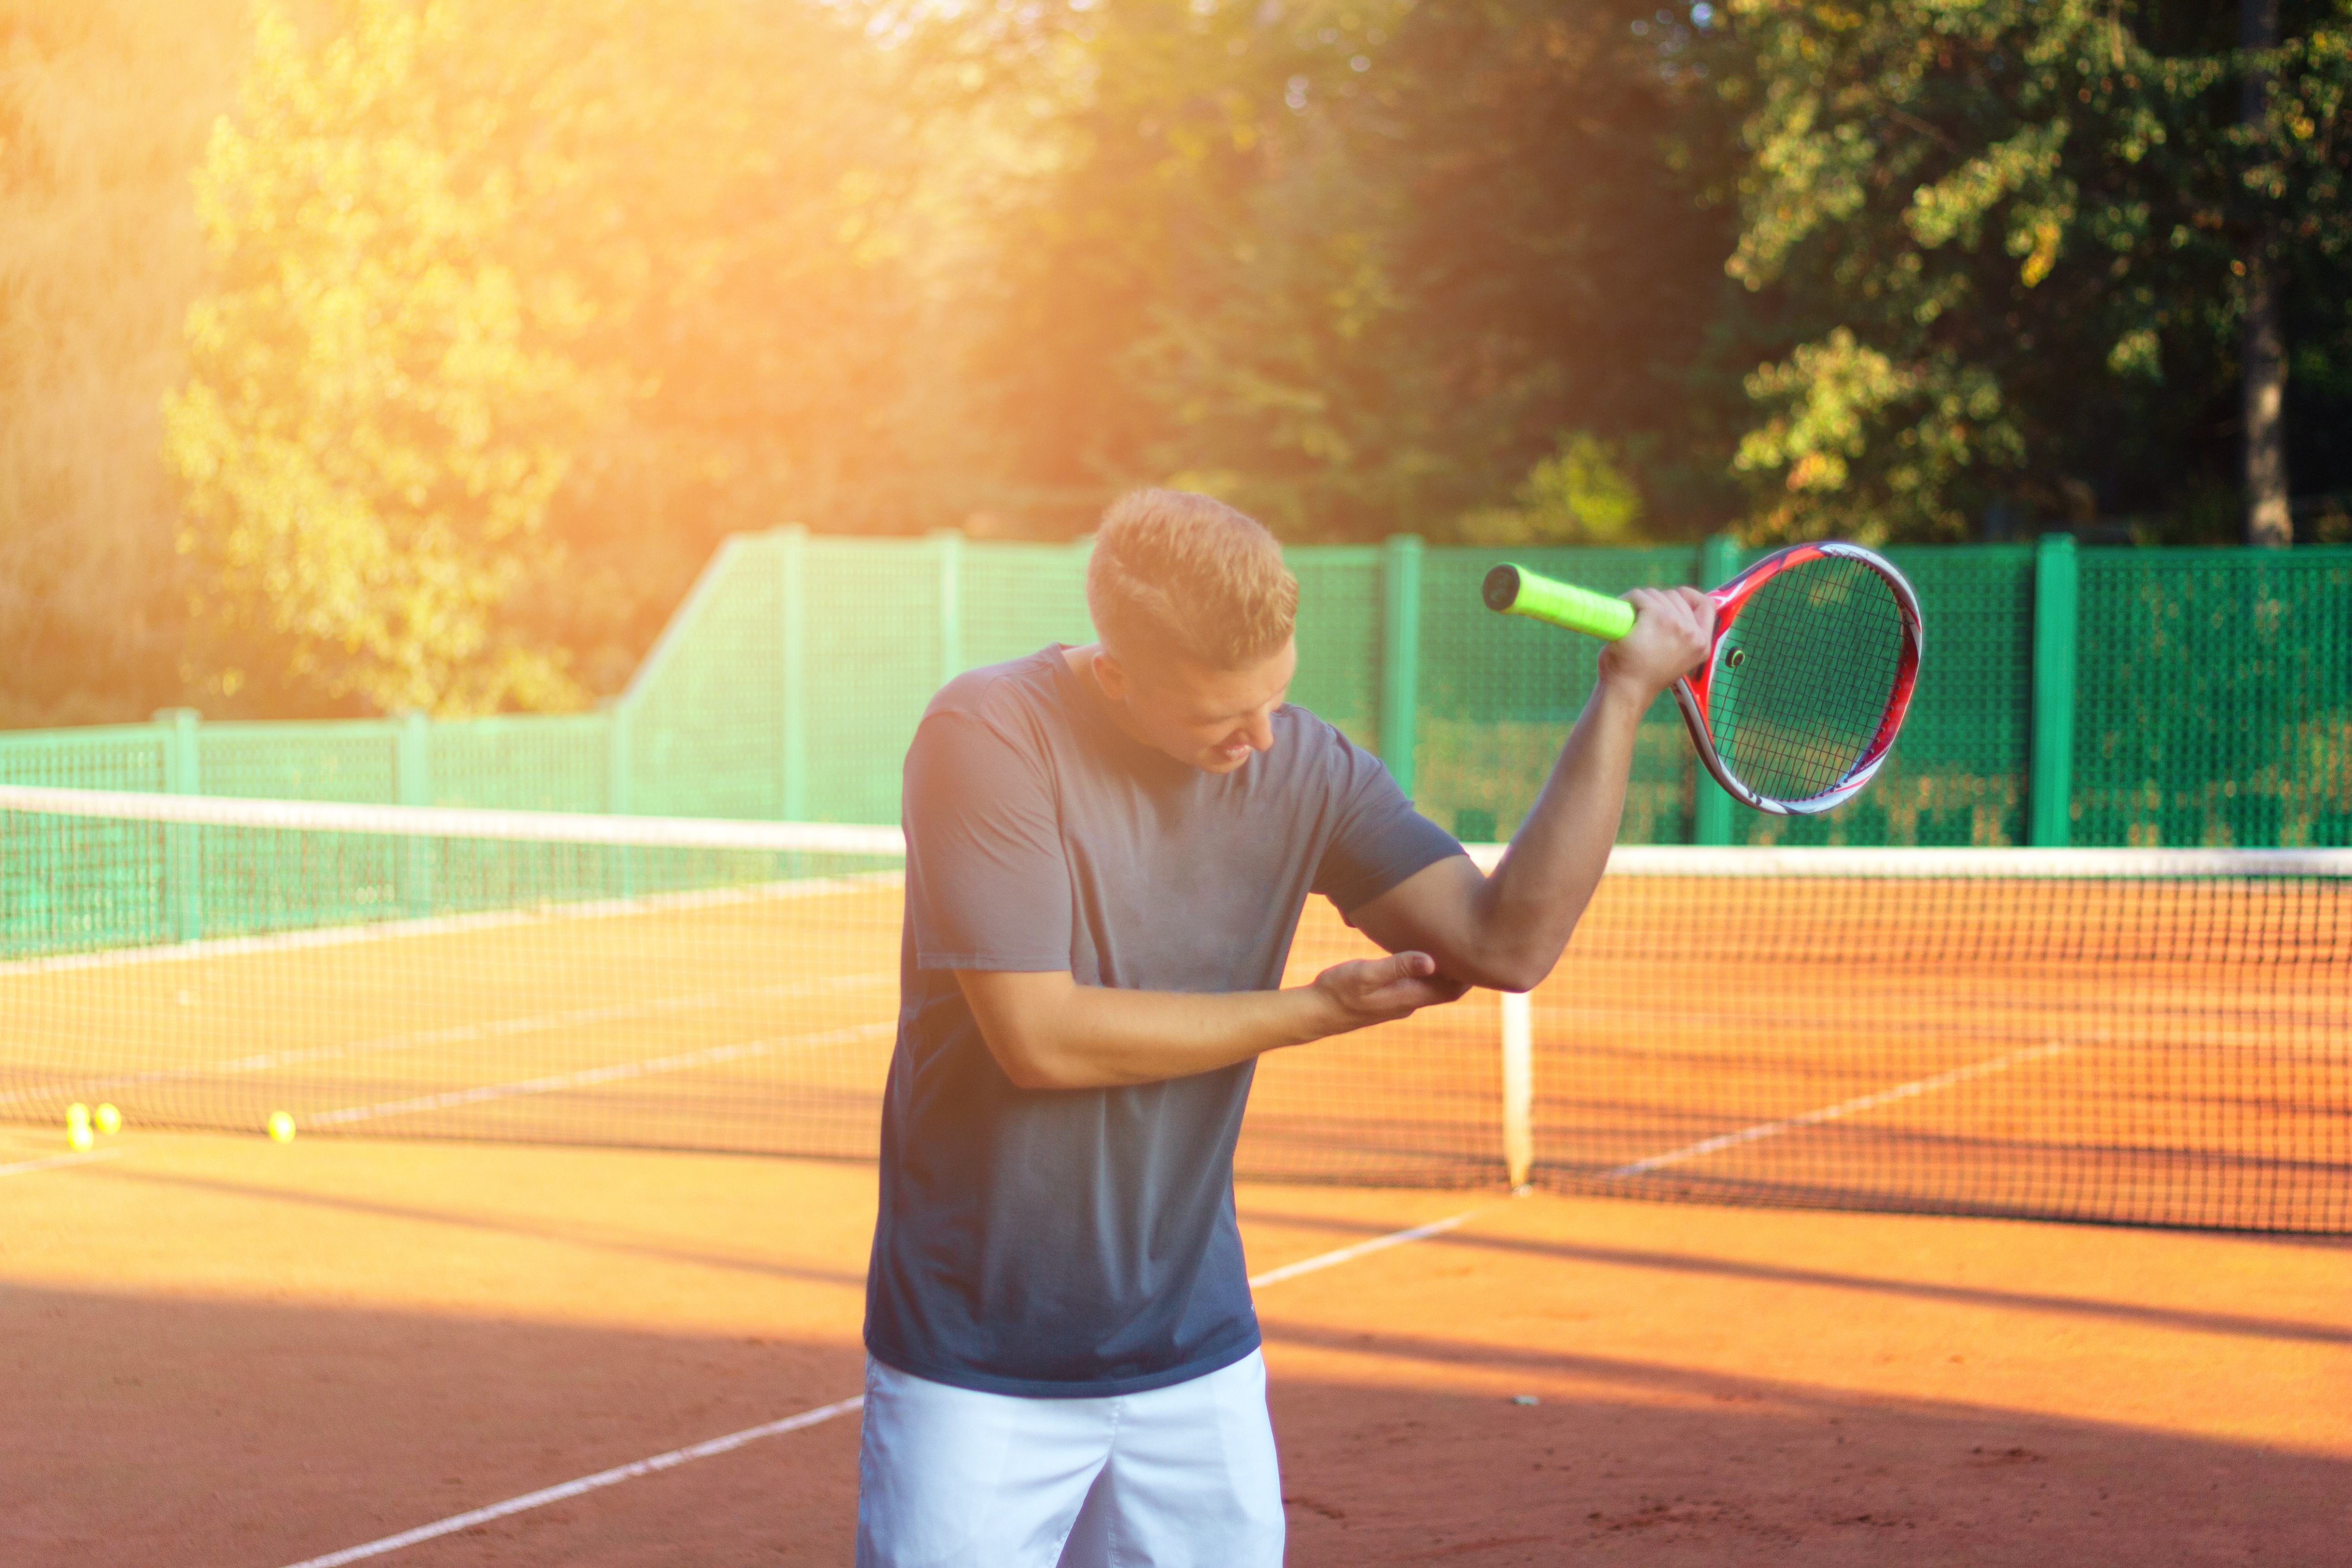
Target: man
<point x="1108" y="850"/>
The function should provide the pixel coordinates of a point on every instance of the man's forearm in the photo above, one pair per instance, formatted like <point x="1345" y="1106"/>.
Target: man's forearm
<point x="1527" y="910"/>
<point x="1046" y="1031"/>
<point x="1092" y="1037"/>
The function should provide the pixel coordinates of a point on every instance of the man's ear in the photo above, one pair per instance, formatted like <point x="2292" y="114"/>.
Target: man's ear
<point x="1110" y="675"/>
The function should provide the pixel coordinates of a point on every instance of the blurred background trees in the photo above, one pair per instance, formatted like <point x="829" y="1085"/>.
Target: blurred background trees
<point x="477" y="322"/>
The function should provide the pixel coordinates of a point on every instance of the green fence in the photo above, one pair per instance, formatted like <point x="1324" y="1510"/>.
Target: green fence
<point x="533" y="763"/>
<point x="2092" y="697"/>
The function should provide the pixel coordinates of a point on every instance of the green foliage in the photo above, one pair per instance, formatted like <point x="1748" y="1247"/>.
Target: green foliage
<point x="516" y="313"/>
<point x="1356" y="267"/>
<point x="379" y="407"/>
<point x="1580" y="495"/>
<point x="103" y="110"/>
<point x="1999" y="239"/>
<point x="515" y="310"/>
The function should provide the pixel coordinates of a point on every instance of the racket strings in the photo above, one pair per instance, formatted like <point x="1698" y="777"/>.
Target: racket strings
<point x="1804" y="678"/>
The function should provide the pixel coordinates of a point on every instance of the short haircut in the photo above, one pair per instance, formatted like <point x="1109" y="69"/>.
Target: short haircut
<point x="1179" y="576"/>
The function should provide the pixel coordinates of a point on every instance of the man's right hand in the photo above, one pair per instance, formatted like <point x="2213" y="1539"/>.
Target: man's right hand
<point x="1368" y="991"/>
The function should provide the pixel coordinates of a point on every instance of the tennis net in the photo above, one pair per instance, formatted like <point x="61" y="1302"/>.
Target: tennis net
<point x="2159" y="1036"/>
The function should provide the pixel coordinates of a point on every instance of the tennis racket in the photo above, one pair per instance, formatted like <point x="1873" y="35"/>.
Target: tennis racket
<point x="1816" y="652"/>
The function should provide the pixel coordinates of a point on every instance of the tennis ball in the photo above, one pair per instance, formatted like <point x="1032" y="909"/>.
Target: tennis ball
<point x="78" y="1127"/>
<point x="281" y="1127"/>
<point x="108" y="1120"/>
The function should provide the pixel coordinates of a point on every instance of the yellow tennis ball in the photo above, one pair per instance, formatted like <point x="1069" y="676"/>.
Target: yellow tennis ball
<point x="281" y="1127"/>
<point x="78" y="1127"/>
<point x="108" y="1118"/>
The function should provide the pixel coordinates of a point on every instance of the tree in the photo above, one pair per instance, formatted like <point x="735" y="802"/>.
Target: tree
<point x="1358" y="268"/>
<point x="518" y="311"/>
<point x="103" y="109"/>
<point x="2006" y="239"/>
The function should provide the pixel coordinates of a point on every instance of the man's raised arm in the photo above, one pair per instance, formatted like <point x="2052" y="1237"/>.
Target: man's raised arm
<point x="1508" y="929"/>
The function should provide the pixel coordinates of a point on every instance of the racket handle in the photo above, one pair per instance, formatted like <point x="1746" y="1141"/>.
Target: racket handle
<point x="1516" y="590"/>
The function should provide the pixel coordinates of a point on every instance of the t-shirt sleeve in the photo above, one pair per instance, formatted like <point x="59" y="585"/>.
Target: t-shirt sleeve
<point x="1378" y="839"/>
<point x="988" y="886"/>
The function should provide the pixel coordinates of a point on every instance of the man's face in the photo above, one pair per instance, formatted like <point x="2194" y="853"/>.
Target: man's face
<point x="1209" y="718"/>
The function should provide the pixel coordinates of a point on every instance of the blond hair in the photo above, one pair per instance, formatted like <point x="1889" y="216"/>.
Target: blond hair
<point x="1178" y="575"/>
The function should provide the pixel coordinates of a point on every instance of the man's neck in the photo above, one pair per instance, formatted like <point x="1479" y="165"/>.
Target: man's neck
<point x="1081" y="661"/>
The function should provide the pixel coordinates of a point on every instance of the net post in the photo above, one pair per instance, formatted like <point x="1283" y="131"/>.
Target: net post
<point x="1519" y="1086"/>
<point x="947" y="543"/>
<point x="2050" y="792"/>
<point x="183" y="891"/>
<point x="1399" y="654"/>
<point x="413" y="769"/>
<point x="792" y="570"/>
<point x="1718" y="562"/>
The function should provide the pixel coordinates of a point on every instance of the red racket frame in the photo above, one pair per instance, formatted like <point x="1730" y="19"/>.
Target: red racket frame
<point x="1691" y="692"/>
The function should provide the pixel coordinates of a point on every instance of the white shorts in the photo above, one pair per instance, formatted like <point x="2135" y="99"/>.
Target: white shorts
<point x="1181" y="1477"/>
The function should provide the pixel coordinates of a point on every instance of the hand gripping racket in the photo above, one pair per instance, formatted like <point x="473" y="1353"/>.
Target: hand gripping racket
<point x="1816" y="652"/>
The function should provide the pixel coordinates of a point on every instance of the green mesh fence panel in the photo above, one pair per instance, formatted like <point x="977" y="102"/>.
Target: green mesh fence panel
<point x="110" y="756"/>
<point x="2214" y="699"/>
<point x="1957" y="776"/>
<point x="1340" y="637"/>
<point x="1018" y="597"/>
<point x="352" y="761"/>
<point x="560" y="762"/>
<point x="1498" y="695"/>
<point x="703" y="723"/>
<point x="875" y="624"/>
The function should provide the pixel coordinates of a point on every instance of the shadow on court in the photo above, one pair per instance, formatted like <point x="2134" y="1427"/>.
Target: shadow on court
<point x="577" y="1232"/>
<point x="145" y="1431"/>
<point x="225" y="1354"/>
<point x="2006" y="1301"/>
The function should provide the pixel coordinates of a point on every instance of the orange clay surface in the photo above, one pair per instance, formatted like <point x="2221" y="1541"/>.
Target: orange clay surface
<point x="218" y="1351"/>
<point x="2193" y="1035"/>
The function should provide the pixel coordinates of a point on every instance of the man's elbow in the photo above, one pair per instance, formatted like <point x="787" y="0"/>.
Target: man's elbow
<point x="1032" y="1063"/>
<point x="1030" y="1071"/>
<point x="1508" y="969"/>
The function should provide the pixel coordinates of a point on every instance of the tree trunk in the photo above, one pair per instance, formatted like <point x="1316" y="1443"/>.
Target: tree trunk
<point x="2262" y="351"/>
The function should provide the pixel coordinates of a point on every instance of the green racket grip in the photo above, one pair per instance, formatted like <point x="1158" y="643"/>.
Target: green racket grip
<point x="1516" y="590"/>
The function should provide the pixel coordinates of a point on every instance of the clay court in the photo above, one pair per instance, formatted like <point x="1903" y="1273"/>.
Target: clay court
<point x="226" y="1352"/>
<point x="581" y="1194"/>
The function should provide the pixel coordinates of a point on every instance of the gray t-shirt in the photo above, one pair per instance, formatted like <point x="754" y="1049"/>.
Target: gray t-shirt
<point x="1082" y="1242"/>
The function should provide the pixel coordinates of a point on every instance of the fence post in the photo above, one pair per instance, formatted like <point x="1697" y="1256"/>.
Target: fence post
<point x="793" y="583"/>
<point x="184" y="891"/>
<point x="2050" y="794"/>
<point x="616" y="756"/>
<point x="1718" y="562"/>
<point x="948" y="543"/>
<point x="411" y="742"/>
<point x="412" y="758"/>
<point x="1401" y="656"/>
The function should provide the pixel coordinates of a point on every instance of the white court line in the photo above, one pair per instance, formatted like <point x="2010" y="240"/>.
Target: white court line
<point x="25" y="1167"/>
<point x="708" y="1057"/>
<point x="585" y="1484"/>
<point x="1344" y="1254"/>
<point x="806" y="1418"/>
<point x="1831" y="1113"/>
<point x="455" y="1033"/>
